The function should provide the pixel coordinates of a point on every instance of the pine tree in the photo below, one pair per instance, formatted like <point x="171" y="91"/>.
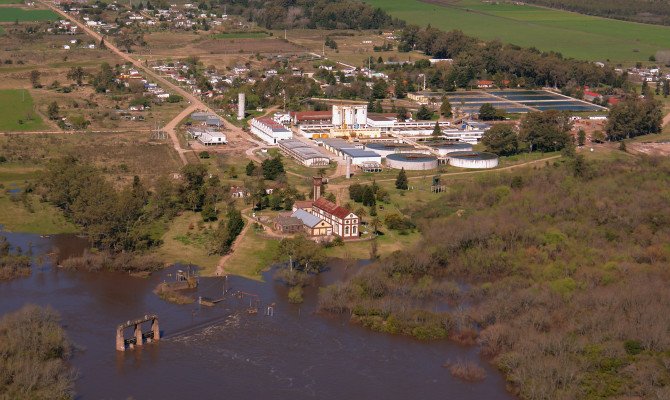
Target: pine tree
<point x="437" y="132"/>
<point x="251" y="168"/>
<point x="445" y="108"/>
<point x="401" y="181"/>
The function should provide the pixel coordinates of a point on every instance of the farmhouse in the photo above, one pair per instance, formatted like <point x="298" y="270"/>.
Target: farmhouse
<point x="210" y="137"/>
<point x="270" y="131"/>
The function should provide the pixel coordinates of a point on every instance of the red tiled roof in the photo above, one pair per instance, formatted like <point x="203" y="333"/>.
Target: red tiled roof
<point x="302" y="204"/>
<point x="331" y="208"/>
<point x="311" y="115"/>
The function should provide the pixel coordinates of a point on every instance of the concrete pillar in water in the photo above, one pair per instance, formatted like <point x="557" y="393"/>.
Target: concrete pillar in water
<point x="155" y="330"/>
<point x="138" y="334"/>
<point x="120" y="343"/>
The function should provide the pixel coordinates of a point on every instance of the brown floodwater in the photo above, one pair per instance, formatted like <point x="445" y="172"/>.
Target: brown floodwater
<point x="223" y="352"/>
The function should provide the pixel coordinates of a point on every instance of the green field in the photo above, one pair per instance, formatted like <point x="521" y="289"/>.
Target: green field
<point x="12" y="14"/>
<point x="11" y="1"/>
<point x="17" y="111"/>
<point x="574" y="35"/>
<point x="240" y="35"/>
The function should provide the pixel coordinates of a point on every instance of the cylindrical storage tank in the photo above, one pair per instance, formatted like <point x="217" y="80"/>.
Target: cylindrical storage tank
<point x="472" y="159"/>
<point x="361" y="115"/>
<point x="337" y="116"/>
<point x="445" y="148"/>
<point x="385" y="149"/>
<point x="411" y="161"/>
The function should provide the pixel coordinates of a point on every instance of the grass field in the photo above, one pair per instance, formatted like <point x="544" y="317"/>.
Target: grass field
<point x="11" y="14"/>
<point x="240" y="35"/>
<point x="36" y="217"/>
<point x="574" y="35"/>
<point x="17" y="111"/>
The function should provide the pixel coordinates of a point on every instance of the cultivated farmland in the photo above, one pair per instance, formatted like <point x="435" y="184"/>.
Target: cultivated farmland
<point x="12" y="14"/>
<point x="572" y="34"/>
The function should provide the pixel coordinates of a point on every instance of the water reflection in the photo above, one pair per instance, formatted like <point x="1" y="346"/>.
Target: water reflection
<point x="224" y="352"/>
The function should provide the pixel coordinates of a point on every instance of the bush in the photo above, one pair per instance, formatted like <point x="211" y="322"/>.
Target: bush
<point x="34" y="351"/>
<point x="466" y="370"/>
<point x="295" y="295"/>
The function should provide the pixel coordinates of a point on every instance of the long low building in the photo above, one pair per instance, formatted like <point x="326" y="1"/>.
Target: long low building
<point x="270" y="131"/>
<point x="303" y="153"/>
<point x="359" y="157"/>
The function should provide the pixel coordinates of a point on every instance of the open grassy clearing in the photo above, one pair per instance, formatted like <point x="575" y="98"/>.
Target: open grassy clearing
<point x="17" y="111"/>
<point x="12" y="14"/>
<point x="572" y="34"/>
<point x="121" y="156"/>
<point x="351" y="48"/>
<point x="185" y="241"/>
<point x="29" y="214"/>
<point x="253" y="254"/>
<point x="240" y="35"/>
<point x="11" y="1"/>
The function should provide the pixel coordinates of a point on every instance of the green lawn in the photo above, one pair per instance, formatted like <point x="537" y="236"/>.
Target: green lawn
<point x="12" y="14"/>
<point x="17" y="111"/>
<point x="240" y="35"/>
<point x="574" y="35"/>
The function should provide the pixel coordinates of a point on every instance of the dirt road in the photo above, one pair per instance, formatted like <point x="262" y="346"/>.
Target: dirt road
<point x="195" y="102"/>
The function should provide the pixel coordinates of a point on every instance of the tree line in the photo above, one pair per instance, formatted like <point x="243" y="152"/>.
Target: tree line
<point x="645" y="11"/>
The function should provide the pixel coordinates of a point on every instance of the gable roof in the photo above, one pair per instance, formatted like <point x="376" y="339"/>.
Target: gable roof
<point x="308" y="219"/>
<point x="331" y="208"/>
<point x="286" y="220"/>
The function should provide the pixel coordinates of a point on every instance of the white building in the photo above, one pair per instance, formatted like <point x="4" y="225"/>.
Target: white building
<point x="211" y="137"/>
<point x="270" y="131"/>
<point x="352" y="116"/>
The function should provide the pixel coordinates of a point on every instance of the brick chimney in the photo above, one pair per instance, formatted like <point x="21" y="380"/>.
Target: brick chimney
<point x="318" y="181"/>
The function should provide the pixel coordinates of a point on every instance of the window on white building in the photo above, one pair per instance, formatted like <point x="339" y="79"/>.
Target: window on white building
<point x="346" y="230"/>
<point x="353" y="230"/>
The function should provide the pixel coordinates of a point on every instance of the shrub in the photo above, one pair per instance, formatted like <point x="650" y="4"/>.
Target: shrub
<point x="295" y="295"/>
<point x="466" y="370"/>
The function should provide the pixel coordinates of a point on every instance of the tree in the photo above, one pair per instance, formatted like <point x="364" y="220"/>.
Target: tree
<point x="634" y="117"/>
<point x="501" y="140"/>
<point x="545" y="131"/>
<point x="369" y="196"/>
<point x="487" y="112"/>
<point x="437" y="131"/>
<point x="304" y="255"/>
<point x="53" y="111"/>
<point x="402" y="114"/>
<point x="666" y="88"/>
<point x="581" y="137"/>
<point x="76" y="74"/>
<point x="250" y="168"/>
<point x="272" y="168"/>
<point x="424" y="113"/>
<point x="445" y="108"/>
<point x="35" y="78"/>
<point x="401" y="181"/>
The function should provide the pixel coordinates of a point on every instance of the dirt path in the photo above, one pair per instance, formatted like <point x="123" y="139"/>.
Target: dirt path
<point x="666" y="120"/>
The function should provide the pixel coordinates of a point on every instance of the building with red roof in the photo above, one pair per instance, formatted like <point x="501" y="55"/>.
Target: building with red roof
<point x="344" y="222"/>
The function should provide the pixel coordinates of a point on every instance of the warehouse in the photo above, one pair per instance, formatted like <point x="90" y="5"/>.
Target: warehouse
<point x="358" y="156"/>
<point x="270" y="131"/>
<point x="303" y="153"/>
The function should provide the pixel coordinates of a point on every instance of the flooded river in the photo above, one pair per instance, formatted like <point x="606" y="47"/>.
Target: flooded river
<point x="222" y="352"/>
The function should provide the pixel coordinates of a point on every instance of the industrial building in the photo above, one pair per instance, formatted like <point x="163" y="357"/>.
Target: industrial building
<point x="270" y="131"/>
<point x="412" y="161"/>
<point x="344" y="223"/>
<point x="303" y="153"/>
<point x="445" y="147"/>
<point x="472" y="159"/>
<point x="207" y="136"/>
<point x="354" y="122"/>
<point x="313" y="224"/>
<point x="386" y="148"/>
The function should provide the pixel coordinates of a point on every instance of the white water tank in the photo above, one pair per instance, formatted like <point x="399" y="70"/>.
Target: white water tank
<point x="241" y="99"/>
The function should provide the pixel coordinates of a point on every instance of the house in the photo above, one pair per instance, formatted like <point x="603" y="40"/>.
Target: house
<point x="287" y="224"/>
<point x="303" y="205"/>
<point x="485" y="84"/>
<point x="344" y="223"/>
<point x="238" y="192"/>
<point x="313" y="225"/>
